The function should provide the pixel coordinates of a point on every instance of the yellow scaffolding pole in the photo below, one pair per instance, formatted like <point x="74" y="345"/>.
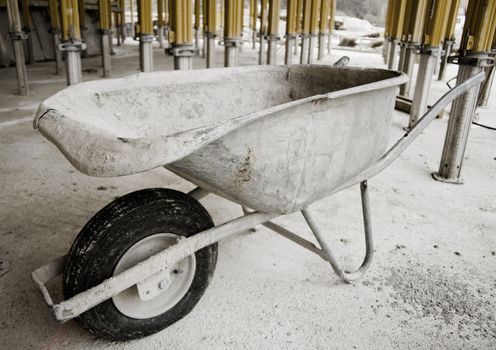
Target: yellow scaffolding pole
<point x="398" y="18"/>
<point x="332" y="11"/>
<point x="145" y="17"/>
<point x="26" y="15"/>
<point x="197" y="23"/>
<point x="292" y="17"/>
<point x="307" y="13"/>
<point x="314" y="28"/>
<point x="262" y="30"/>
<point x="305" y="31"/>
<point x="145" y="32"/>
<point x="291" y="30"/>
<point x="104" y="10"/>
<point x="160" y="22"/>
<point x="160" y="13"/>
<point x="323" y="26"/>
<point x="435" y="26"/>
<point x="314" y="17"/>
<point x="253" y="15"/>
<point x="324" y="16"/>
<point x="232" y="31"/>
<point x="479" y="28"/>
<point x="274" y="11"/>
<point x="104" y="13"/>
<point x="211" y="16"/>
<point x="53" y="9"/>
<point x="232" y="20"/>
<point x="414" y="21"/>
<point x="181" y="12"/>
<point x="120" y="20"/>
<point x="452" y="18"/>
<point x="181" y="33"/>
<point x="449" y="37"/>
<point x="273" y="30"/>
<point x="299" y="15"/>
<point x="389" y="16"/>
<point x="210" y="22"/>
<point x="71" y="37"/>
<point x="69" y="11"/>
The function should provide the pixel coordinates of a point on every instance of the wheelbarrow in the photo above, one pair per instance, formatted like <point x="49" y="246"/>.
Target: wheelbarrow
<point x="272" y="138"/>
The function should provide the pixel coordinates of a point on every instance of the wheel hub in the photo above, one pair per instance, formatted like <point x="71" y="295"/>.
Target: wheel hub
<point x="160" y="292"/>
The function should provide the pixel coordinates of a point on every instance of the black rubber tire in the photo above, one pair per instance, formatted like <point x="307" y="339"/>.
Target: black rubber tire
<point x="111" y="232"/>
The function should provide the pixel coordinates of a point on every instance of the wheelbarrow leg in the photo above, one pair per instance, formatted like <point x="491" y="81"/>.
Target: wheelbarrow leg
<point x="369" y="249"/>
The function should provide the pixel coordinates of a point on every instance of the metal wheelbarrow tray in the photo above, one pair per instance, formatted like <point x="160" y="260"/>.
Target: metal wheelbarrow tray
<point x="273" y="139"/>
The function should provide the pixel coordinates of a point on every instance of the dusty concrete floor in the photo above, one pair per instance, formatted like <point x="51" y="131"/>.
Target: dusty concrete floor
<point x="432" y="284"/>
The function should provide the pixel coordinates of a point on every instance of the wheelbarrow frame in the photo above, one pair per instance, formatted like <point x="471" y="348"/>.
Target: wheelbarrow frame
<point x="73" y="307"/>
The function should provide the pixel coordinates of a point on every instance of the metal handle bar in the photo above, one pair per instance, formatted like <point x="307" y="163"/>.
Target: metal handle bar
<point x="415" y="131"/>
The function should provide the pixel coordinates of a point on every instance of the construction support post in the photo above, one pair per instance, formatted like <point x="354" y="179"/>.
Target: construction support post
<point x="166" y="23"/>
<point x="323" y="28"/>
<point x="82" y="24"/>
<point x="181" y="33"/>
<point x="299" y="25"/>
<point x="273" y="31"/>
<point x="55" y="31"/>
<point x="430" y="50"/>
<point x="131" y="14"/>
<point x="412" y="29"/>
<point x="332" y="11"/>
<point x="305" y="31"/>
<point x="105" y="36"/>
<point x="145" y="30"/>
<point x="398" y="17"/>
<point x="210" y="31"/>
<point x="475" y="48"/>
<point x="291" y="30"/>
<point x="111" y="29"/>
<point x="121" y="20"/>
<point x="387" y="31"/>
<point x="17" y="36"/>
<point x="232" y="32"/>
<point x="449" y="39"/>
<point x="253" y="21"/>
<point x="314" y="29"/>
<point x="160" y="23"/>
<point x="197" y="24"/>
<point x="263" y="31"/>
<point x="71" y="40"/>
<point x="28" y="29"/>
<point x="486" y="89"/>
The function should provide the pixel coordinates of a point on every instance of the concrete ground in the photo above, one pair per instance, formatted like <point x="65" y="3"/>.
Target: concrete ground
<point x="432" y="284"/>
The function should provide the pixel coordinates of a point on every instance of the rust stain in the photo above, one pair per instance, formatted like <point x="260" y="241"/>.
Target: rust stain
<point x="243" y="173"/>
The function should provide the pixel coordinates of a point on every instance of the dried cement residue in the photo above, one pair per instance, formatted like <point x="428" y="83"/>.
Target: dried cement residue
<point x="430" y="291"/>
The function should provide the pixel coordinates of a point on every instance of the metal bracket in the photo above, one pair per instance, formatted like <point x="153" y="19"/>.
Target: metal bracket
<point x="182" y="50"/>
<point x="146" y="38"/>
<point x="17" y="35"/>
<point x="72" y="46"/>
<point x="430" y="50"/>
<point x="232" y="42"/>
<point x="106" y="31"/>
<point x="210" y="35"/>
<point x="473" y="60"/>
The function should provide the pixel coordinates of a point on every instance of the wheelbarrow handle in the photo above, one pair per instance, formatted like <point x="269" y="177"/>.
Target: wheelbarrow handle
<point x="415" y="131"/>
